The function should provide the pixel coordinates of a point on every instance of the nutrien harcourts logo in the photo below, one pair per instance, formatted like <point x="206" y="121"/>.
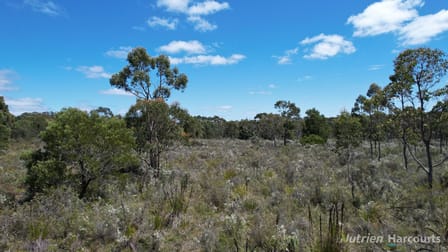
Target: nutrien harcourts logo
<point x="392" y="240"/>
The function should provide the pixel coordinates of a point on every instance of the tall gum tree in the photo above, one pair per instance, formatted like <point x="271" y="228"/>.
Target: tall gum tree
<point x="151" y="80"/>
<point x="422" y="70"/>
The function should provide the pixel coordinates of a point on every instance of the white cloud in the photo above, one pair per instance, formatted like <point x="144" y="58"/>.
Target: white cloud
<point x="174" y="5"/>
<point x="272" y="86"/>
<point x="45" y="7"/>
<point x="286" y="58"/>
<point x="198" y="9"/>
<point x="170" y="24"/>
<point x="384" y="17"/>
<point x="326" y="46"/>
<point x="208" y="60"/>
<point x="401" y="18"/>
<point x="115" y="91"/>
<point x="120" y="53"/>
<point x="190" y="47"/>
<point x="201" y="24"/>
<point x="6" y="78"/>
<point x="195" y="11"/>
<point x="206" y="8"/>
<point x="22" y="105"/>
<point x="93" y="72"/>
<point x="422" y="29"/>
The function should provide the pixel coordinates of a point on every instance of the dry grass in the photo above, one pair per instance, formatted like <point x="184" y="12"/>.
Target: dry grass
<point x="230" y="195"/>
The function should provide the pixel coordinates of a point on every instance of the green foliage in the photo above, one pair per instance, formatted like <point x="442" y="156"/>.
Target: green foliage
<point x="312" y="139"/>
<point x="417" y="73"/>
<point x="291" y="114"/>
<point x="347" y="131"/>
<point x="136" y="76"/>
<point x="191" y="126"/>
<point x="212" y="127"/>
<point x="6" y="122"/>
<point x="270" y="126"/>
<point x="154" y="130"/>
<point x="247" y="129"/>
<point x="79" y="148"/>
<point x="30" y="125"/>
<point x="315" y="124"/>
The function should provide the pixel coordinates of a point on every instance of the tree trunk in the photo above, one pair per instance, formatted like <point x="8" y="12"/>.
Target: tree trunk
<point x="84" y="185"/>
<point x="154" y="161"/>
<point x="429" y="158"/>
<point x="405" y="154"/>
<point x="85" y="181"/>
<point x="379" y="151"/>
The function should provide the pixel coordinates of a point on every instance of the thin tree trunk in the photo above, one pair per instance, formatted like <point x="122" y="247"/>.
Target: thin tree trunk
<point x="429" y="159"/>
<point x="379" y="151"/>
<point x="405" y="155"/>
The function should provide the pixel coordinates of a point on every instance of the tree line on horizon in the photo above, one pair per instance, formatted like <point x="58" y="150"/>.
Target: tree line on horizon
<point x="81" y="147"/>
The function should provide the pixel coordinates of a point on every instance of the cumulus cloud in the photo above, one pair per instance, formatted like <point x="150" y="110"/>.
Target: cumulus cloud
<point x="22" y="105"/>
<point x="326" y="46"/>
<point x="401" y="18"/>
<point x="201" y="24"/>
<point x="206" y="8"/>
<point x="46" y="7"/>
<point x="174" y="5"/>
<point x="94" y="72"/>
<point x="177" y="46"/>
<point x="384" y="17"/>
<point x="195" y="12"/>
<point x="120" y="53"/>
<point x="115" y="91"/>
<point x="208" y="60"/>
<point x="424" y="28"/>
<point x="169" y="24"/>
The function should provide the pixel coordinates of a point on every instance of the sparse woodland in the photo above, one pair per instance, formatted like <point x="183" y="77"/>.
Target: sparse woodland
<point x="160" y="179"/>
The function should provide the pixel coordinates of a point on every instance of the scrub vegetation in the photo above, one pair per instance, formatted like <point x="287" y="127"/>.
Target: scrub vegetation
<point x="160" y="179"/>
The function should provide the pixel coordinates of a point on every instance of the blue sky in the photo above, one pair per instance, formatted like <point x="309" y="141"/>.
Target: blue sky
<point x="240" y="56"/>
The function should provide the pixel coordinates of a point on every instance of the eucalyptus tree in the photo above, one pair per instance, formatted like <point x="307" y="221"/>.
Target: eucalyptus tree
<point x="348" y="133"/>
<point x="148" y="77"/>
<point x="423" y="69"/>
<point x="291" y="115"/>
<point x="372" y="106"/>
<point x="151" y="80"/>
<point x="398" y="92"/>
<point x="154" y="130"/>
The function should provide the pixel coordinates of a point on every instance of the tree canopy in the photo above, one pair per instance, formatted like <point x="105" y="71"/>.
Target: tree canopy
<point x="136" y="76"/>
<point x="79" y="149"/>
